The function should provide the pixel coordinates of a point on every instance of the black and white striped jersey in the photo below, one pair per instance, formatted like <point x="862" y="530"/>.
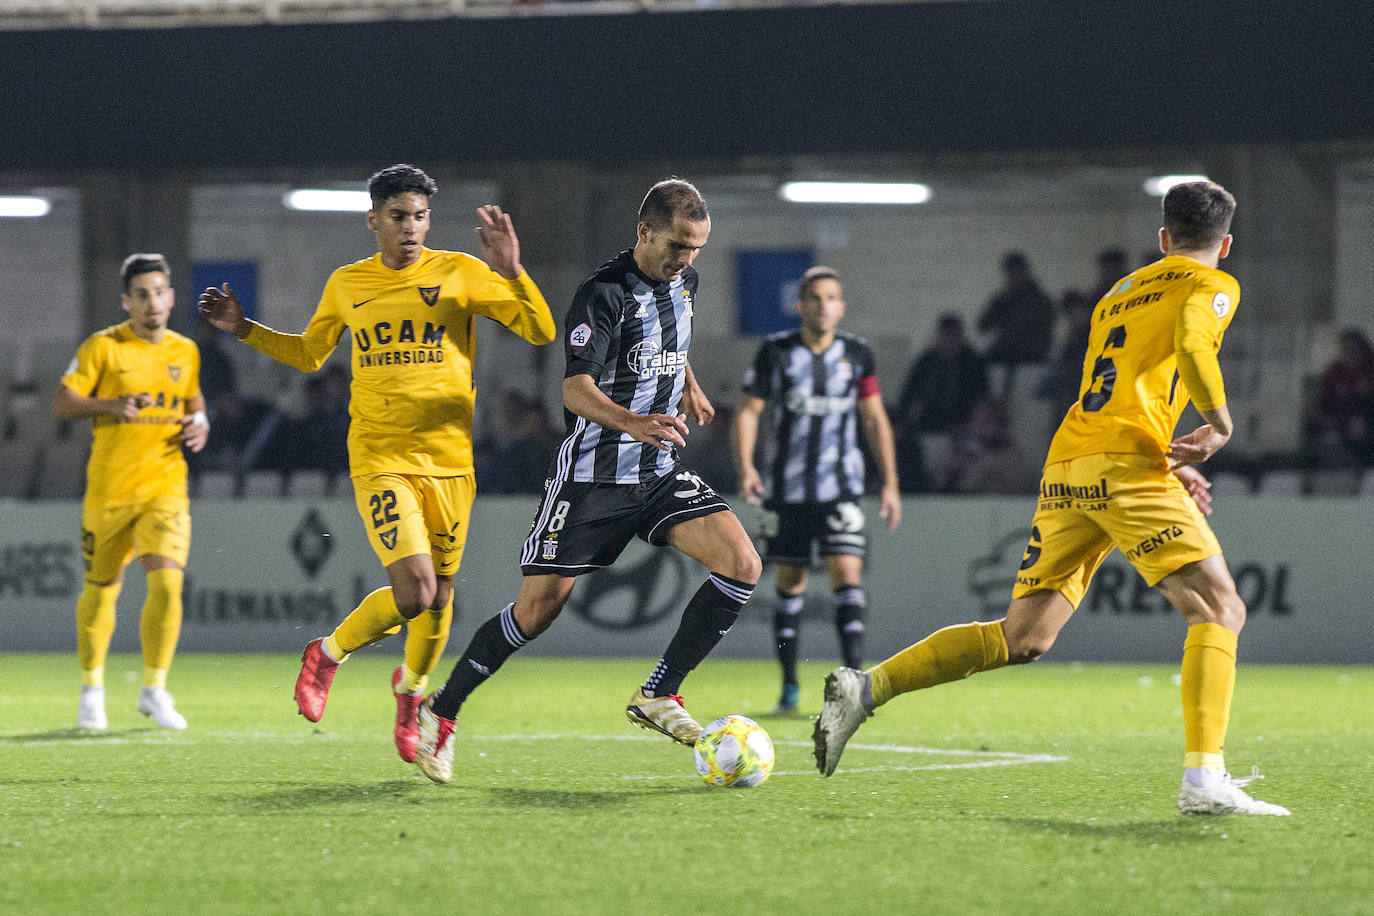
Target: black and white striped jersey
<point x="630" y="334"/>
<point x="811" y="405"/>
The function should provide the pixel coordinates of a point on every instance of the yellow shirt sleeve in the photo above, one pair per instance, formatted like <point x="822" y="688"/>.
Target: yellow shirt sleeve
<point x="518" y="304"/>
<point x="308" y="350"/>
<point x="1202" y="322"/>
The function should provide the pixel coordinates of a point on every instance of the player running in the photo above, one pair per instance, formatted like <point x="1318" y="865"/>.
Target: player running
<point x="410" y="313"/>
<point x="1116" y="476"/>
<point x="138" y="383"/>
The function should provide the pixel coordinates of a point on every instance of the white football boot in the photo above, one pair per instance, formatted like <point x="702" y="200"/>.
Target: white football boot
<point x="157" y="702"/>
<point x="841" y="716"/>
<point x="1226" y="797"/>
<point x="91" y="711"/>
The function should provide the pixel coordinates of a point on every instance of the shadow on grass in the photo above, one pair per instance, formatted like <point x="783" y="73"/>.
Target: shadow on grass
<point x="579" y="800"/>
<point x="315" y="795"/>
<point x="75" y="734"/>
<point x="1176" y="830"/>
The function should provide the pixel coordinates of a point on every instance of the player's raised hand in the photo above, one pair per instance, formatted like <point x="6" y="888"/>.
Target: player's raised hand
<point x="659" y="430"/>
<point x="500" y="246"/>
<point x="221" y="308"/>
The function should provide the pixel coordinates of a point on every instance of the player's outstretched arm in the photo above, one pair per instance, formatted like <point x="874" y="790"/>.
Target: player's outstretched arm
<point x="584" y="398"/>
<point x="221" y="308"/>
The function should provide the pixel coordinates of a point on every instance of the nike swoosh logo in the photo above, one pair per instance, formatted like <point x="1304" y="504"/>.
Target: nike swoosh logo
<point x="365" y="302"/>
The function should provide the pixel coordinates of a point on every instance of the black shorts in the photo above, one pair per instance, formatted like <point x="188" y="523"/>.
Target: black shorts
<point x="580" y="527"/>
<point x="792" y="530"/>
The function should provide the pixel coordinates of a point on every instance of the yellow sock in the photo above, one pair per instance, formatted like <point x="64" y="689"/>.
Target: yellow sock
<point x="374" y="619"/>
<point x="943" y="656"/>
<point x="426" y="637"/>
<point x="1209" y="680"/>
<point x="95" y="624"/>
<point x="160" y="626"/>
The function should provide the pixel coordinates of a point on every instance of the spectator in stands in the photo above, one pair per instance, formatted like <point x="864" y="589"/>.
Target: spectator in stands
<point x="1342" y="421"/>
<point x="1019" y="319"/>
<point x="243" y="423"/>
<point x="941" y="388"/>
<point x="514" y="456"/>
<point x="1111" y="267"/>
<point x="986" y="458"/>
<point x="315" y="439"/>
<point x="944" y="382"/>
<point x="1065" y="370"/>
<point x="217" y="370"/>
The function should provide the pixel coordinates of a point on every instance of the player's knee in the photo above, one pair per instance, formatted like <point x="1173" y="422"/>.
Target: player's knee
<point x="746" y="565"/>
<point x="1024" y="650"/>
<point x="1229" y="611"/>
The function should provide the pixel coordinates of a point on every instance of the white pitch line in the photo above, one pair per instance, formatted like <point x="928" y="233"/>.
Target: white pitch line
<point x="988" y="758"/>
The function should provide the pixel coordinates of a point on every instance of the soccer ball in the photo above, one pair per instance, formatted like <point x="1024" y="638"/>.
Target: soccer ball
<point x="733" y="751"/>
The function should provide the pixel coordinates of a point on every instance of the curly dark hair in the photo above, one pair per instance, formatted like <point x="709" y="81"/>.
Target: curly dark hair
<point x="399" y="179"/>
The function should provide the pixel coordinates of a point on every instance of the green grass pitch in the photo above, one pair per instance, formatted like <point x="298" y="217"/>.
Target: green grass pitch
<point x="1048" y="789"/>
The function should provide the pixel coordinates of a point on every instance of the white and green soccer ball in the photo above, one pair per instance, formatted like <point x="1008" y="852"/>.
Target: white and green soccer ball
<point x="734" y="751"/>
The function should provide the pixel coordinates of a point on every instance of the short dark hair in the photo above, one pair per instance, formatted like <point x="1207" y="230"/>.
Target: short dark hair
<point x="819" y="272"/>
<point x="670" y="198"/>
<point x="143" y="263"/>
<point x="399" y="179"/>
<point x="1198" y="214"/>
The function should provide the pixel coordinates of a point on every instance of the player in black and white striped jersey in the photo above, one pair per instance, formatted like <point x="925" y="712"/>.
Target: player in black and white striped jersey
<point x="818" y="385"/>
<point x="627" y="392"/>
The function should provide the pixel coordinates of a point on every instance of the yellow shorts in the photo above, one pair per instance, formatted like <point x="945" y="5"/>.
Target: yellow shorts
<point x="1091" y="504"/>
<point x="406" y="515"/>
<point x="111" y="537"/>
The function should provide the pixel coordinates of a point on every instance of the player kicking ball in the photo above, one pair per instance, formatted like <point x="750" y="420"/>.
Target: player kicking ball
<point x="1116" y="476"/>
<point x="627" y="389"/>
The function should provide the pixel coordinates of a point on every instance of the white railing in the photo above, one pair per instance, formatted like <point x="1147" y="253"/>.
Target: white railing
<point x="59" y="14"/>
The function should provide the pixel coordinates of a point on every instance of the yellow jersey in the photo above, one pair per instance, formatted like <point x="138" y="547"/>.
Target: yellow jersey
<point x="412" y="349"/>
<point x="136" y="460"/>
<point x="1152" y="346"/>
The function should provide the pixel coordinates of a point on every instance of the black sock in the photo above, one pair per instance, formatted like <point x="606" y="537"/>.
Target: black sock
<point x="493" y="643"/>
<point x="850" y="605"/>
<point x="706" y="619"/>
<point x="787" y="616"/>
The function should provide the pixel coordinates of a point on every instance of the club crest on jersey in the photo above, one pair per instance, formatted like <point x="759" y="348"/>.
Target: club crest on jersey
<point x="174" y="372"/>
<point x="1221" y="304"/>
<point x="687" y="303"/>
<point x="647" y="359"/>
<point x="844" y="371"/>
<point x="388" y="538"/>
<point x="429" y="293"/>
<point x="580" y="335"/>
<point x="550" y="546"/>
